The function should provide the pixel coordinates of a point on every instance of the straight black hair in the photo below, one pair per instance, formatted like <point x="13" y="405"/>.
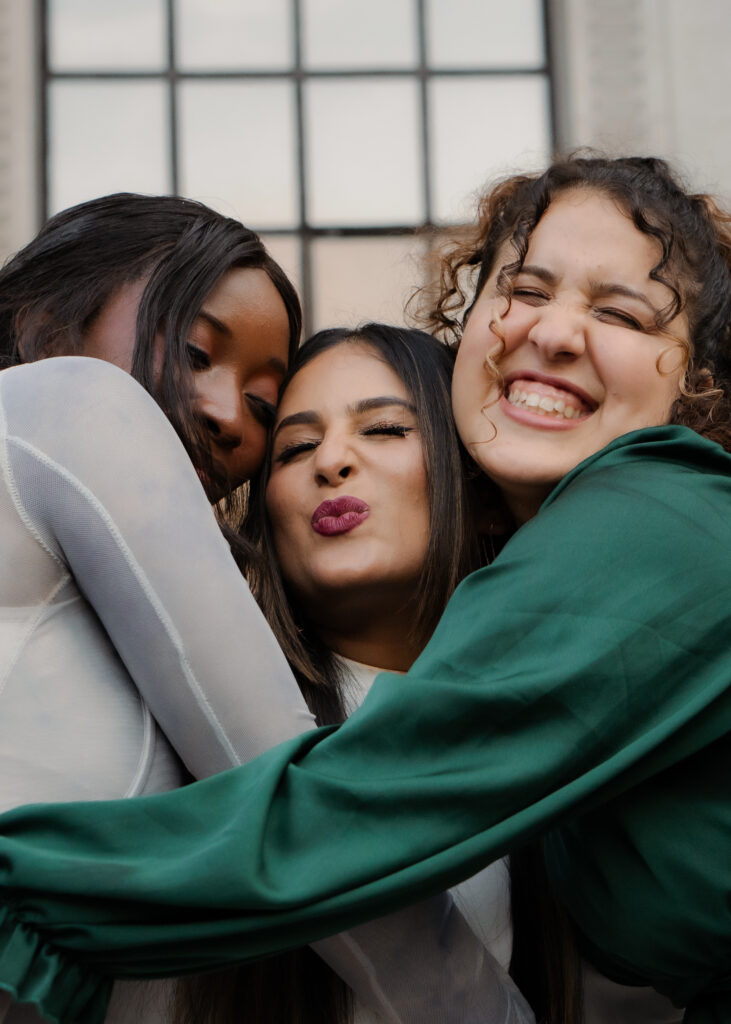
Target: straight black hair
<point x="424" y="365"/>
<point x="297" y="987"/>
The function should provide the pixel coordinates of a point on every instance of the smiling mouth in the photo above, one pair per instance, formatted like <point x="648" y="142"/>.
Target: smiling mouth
<point x="339" y="515"/>
<point x="546" y="399"/>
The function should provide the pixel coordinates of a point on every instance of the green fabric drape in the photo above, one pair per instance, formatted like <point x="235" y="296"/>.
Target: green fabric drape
<point x="580" y="684"/>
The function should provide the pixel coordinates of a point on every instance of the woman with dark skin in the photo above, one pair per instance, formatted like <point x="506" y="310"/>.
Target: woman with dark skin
<point x="107" y="531"/>
<point x="576" y="688"/>
<point x="191" y="304"/>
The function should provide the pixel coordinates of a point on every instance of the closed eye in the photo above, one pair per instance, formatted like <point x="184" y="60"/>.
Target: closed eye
<point x="291" y="451"/>
<point x="199" y="359"/>
<point x="386" y="429"/>
<point x="619" y="316"/>
<point x="531" y="296"/>
<point x="264" y="411"/>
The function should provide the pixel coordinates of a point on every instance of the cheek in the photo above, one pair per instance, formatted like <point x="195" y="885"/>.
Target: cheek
<point x="285" y="511"/>
<point x="413" y="501"/>
<point x="257" y="441"/>
<point x="647" y="383"/>
<point x="246" y="460"/>
<point x="469" y="368"/>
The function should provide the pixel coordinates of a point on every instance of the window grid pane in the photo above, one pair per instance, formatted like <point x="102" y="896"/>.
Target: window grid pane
<point x="269" y="114"/>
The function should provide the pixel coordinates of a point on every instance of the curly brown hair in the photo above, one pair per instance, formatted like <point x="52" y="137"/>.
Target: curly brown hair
<point x="694" y="236"/>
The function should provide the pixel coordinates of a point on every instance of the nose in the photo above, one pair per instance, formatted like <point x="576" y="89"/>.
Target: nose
<point x="220" y="406"/>
<point x="558" y="331"/>
<point x="334" y="460"/>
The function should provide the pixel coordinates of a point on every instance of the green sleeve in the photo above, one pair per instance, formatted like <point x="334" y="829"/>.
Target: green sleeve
<point x="590" y="658"/>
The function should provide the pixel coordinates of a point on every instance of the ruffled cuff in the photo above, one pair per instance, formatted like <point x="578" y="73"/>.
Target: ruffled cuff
<point x="32" y="971"/>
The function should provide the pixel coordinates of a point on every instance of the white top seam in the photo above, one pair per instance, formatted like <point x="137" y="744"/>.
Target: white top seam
<point x="13" y="490"/>
<point x="146" y="753"/>
<point x="144" y="584"/>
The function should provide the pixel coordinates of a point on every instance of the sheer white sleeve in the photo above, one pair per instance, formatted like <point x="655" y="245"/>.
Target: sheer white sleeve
<point x="100" y="479"/>
<point x="424" y="965"/>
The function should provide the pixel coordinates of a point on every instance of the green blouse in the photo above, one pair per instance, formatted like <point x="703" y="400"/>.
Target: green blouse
<point x="578" y="688"/>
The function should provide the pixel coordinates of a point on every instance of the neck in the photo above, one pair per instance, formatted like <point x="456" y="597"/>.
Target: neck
<point x="524" y="504"/>
<point x="384" y="643"/>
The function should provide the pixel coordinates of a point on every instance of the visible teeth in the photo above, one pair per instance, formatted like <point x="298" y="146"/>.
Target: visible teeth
<point x="542" y="403"/>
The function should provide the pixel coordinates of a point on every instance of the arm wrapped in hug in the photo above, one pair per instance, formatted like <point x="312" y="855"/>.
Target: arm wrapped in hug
<point x="591" y="658"/>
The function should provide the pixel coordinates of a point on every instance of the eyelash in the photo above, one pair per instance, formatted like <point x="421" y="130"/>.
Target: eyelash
<point x="529" y="293"/>
<point x="526" y="294"/>
<point x="199" y="359"/>
<point x="391" y="429"/>
<point x="625" y="318"/>
<point x="263" y="410"/>
<point x="375" y="429"/>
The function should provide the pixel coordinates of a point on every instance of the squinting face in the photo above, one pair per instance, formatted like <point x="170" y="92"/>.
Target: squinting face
<point x="238" y="347"/>
<point x="582" y="361"/>
<point x="347" y="497"/>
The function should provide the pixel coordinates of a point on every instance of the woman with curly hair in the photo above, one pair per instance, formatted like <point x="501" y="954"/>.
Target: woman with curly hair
<point x="576" y="689"/>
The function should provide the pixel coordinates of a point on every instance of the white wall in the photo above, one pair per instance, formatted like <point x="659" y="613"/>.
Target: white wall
<point x="18" y="124"/>
<point x="648" y="76"/>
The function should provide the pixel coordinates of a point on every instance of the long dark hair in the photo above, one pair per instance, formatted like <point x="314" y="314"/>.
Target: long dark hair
<point x="297" y="987"/>
<point x="424" y="365"/>
<point x="52" y="290"/>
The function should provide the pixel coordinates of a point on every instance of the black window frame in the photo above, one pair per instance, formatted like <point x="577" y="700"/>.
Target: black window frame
<point x="305" y="232"/>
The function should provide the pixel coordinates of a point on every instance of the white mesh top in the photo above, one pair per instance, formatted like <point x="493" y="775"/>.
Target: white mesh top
<point x="119" y="600"/>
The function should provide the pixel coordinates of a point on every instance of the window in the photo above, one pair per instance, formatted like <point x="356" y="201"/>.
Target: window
<point x="335" y="128"/>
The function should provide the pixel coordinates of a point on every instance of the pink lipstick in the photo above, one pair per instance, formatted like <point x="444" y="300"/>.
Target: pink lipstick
<point x="339" y="515"/>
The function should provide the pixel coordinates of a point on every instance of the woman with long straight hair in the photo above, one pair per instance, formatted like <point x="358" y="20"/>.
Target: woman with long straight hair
<point x="366" y="529"/>
<point x="113" y="680"/>
<point x="577" y="688"/>
<point x="102" y="647"/>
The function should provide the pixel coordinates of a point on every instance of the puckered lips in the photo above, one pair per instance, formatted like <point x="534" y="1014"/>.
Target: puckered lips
<point x="539" y="400"/>
<point x="339" y="515"/>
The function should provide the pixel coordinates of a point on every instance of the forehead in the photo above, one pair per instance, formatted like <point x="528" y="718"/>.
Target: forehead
<point x="586" y="226"/>
<point x="247" y="300"/>
<point x="340" y="376"/>
<point x="588" y="229"/>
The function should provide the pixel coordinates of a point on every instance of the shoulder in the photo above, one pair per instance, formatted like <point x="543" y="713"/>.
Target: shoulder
<point x="72" y="388"/>
<point x="79" y="374"/>
<point x="668" y="452"/>
<point x="654" y="494"/>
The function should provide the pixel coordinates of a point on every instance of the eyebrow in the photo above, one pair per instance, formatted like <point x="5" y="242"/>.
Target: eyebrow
<point x="614" y="288"/>
<point x="310" y="416"/>
<point x="598" y="287"/>
<point x="278" y="365"/>
<point x="216" y="324"/>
